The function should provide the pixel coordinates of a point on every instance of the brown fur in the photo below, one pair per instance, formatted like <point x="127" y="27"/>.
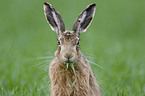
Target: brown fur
<point x="61" y="81"/>
<point x="68" y="51"/>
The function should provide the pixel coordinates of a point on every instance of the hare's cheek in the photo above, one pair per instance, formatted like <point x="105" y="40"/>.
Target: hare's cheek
<point x="57" y="52"/>
<point x="62" y="57"/>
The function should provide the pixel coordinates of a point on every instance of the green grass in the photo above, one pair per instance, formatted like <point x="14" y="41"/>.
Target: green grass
<point x="115" y="40"/>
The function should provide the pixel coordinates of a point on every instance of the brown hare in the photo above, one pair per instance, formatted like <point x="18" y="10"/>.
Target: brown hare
<point x="68" y="52"/>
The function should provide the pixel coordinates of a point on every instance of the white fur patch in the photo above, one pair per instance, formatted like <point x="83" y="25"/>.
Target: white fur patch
<point x="81" y="20"/>
<point x="55" y="18"/>
<point x="83" y="17"/>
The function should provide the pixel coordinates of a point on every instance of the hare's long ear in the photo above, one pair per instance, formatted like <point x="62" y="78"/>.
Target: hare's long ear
<point x="54" y="18"/>
<point x="84" y="19"/>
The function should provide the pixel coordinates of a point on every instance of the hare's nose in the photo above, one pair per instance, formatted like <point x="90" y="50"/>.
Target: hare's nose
<point x="68" y="56"/>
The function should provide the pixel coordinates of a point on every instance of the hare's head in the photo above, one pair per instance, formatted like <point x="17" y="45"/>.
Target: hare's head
<point x="68" y="41"/>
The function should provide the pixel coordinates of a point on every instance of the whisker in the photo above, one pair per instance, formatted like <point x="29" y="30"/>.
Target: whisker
<point x="95" y="64"/>
<point x="43" y="63"/>
<point x="90" y="57"/>
<point x="48" y="57"/>
<point x="96" y="73"/>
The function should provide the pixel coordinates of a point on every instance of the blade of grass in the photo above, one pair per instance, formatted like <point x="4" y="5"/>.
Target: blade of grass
<point x="72" y="66"/>
<point x="67" y="64"/>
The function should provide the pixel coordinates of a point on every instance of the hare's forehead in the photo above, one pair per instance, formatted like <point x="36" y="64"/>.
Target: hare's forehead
<point x="68" y="36"/>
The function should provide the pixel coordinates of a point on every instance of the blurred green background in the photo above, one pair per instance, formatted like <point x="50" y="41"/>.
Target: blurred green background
<point x="115" y="40"/>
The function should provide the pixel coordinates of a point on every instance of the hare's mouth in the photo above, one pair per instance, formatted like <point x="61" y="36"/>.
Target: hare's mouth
<point x="66" y="60"/>
<point x="69" y="61"/>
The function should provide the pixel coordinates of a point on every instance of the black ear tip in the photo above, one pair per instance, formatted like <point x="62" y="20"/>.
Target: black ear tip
<point x="46" y="3"/>
<point x="93" y="4"/>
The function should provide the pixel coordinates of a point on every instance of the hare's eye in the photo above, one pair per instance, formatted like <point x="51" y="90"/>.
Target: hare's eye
<point x="58" y="42"/>
<point x="78" y="42"/>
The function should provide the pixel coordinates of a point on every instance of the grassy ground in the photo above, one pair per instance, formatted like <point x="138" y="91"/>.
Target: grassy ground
<point x="115" y="41"/>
